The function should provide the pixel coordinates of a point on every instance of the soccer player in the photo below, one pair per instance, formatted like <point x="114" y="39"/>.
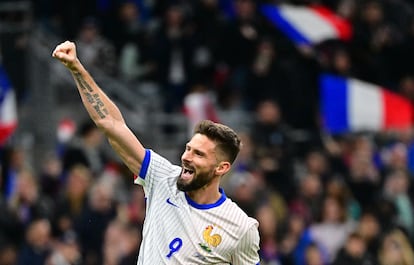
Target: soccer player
<point x="189" y="219"/>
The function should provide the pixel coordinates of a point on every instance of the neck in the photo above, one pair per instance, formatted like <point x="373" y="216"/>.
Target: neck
<point x="205" y="195"/>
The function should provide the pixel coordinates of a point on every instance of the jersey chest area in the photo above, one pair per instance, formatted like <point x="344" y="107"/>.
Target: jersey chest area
<point x="187" y="235"/>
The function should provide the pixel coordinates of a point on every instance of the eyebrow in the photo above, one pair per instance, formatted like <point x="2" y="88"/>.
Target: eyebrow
<point x="198" y="150"/>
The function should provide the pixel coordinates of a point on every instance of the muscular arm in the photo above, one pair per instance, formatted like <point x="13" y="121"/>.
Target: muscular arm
<point x="102" y="110"/>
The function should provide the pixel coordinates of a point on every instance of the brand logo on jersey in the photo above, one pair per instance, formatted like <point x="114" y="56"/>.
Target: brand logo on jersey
<point x="171" y="203"/>
<point x="210" y="239"/>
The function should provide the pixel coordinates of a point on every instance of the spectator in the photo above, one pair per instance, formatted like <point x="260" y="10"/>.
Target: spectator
<point x="313" y="255"/>
<point x="316" y="163"/>
<point x="294" y="240"/>
<point x="174" y="49"/>
<point x="96" y="51"/>
<point x="94" y="220"/>
<point x="121" y="242"/>
<point x="266" y="76"/>
<point x="396" y="189"/>
<point x="86" y="150"/>
<point x="11" y="232"/>
<point x="133" y="211"/>
<point x="199" y="105"/>
<point x="309" y="198"/>
<point x="354" y="252"/>
<point x="334" y="228"/>
<point x="337" y="187"/>
<point x="395" y="249"/>
<point x="37" y="243"/>
<point x="273" y="148"/>
<point x="132" y="242"/>
<point x="127" y="24"/>
<point x="375" y="40"/>
<point x="209" y="22"/>
<point x="394" y="157"/>
<point x="132" y="41"/>
<point x="364" y="177"/>
<point x="8" y="254"/>
<point x="73" y="200"/>
<point x="51" y="176"/>
<point x="245" y="190"/>
<point x="113" y="243"/>
<point x="342" y="63"/>
<point x="269" y="249"/>
<point x="14" y="159"/>
<point x="134" y="68"/>
<point x="65" y="251"/>
<point x="240" y="38"/>
<point x="369" y="228"/>
<point x="246" y="159"/>
<point x="28" y="204"/>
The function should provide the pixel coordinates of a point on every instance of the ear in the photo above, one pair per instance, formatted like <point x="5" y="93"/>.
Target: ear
<point x="223" y="168"/>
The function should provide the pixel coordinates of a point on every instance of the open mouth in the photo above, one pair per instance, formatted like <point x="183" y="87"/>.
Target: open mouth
<point x="187" y="173"/>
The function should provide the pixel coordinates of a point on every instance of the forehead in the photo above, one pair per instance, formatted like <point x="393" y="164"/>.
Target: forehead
<point x="202" y="142"/>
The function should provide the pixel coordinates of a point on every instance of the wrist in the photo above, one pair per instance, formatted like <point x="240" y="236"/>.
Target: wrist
<point x="75" y="66"/>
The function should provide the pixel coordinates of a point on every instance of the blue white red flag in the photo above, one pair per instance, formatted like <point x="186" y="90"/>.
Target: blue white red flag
<point x="349" y="105"/>
<point x="8" y="110"/>
<point x="307" y="24"/>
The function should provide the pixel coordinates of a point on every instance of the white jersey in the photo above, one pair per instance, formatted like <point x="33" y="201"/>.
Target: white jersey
<point x="177" y="230"/>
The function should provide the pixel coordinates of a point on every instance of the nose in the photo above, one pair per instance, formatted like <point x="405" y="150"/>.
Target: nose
<point x="186" y="156"/>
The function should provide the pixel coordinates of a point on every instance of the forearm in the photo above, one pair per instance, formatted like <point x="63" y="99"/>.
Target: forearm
<point x="100" y="108"/>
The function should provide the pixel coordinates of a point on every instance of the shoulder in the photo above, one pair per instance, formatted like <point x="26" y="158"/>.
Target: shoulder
<point x="238" y="217"/>
<point x="155" y="160"/>
<point x="155" y="166"/>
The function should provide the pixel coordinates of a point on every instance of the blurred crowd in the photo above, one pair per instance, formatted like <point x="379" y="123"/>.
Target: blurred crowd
<point x="320" y="199"/>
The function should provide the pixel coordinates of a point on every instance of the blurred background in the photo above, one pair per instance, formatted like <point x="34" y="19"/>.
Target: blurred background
<point x="322" y="196"/>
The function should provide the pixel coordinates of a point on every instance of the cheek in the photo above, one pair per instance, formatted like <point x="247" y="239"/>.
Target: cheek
<point x="203" y="168"/>
<point x="203" y="164"/>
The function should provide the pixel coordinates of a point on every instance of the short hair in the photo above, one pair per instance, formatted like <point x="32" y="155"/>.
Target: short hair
<point x="226" y="139"/>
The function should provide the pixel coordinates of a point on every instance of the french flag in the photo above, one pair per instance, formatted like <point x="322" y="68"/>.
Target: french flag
<point x="307" y="24"/>
<point x="349" y="105"/>
<point x="8" y="111"/>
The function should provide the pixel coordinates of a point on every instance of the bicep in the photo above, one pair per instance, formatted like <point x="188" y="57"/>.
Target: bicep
<point x="127" y="146"/>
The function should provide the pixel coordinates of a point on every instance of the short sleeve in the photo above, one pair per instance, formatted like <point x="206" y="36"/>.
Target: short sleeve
<point x="247" y="250"/>
<point x="155" y="169"/>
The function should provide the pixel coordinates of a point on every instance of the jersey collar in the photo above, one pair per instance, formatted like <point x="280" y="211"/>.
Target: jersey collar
<point x="207" y="206"/>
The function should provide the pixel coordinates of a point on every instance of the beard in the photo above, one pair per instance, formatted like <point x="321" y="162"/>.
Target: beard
<point x="198" y="181"/>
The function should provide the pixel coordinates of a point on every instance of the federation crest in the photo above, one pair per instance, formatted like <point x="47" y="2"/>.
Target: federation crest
<point x="210" y="239"/>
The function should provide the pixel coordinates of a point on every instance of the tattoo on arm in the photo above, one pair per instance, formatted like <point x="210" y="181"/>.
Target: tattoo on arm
<point x="100" y="104"/>
<point x="94" y="99"/>
<point x="82" y="83"/>
<point x="89" y="97"/>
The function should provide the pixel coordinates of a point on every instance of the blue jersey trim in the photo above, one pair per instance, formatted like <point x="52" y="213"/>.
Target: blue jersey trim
<point x="207" y="206"/>
<point x="145" y="164"/>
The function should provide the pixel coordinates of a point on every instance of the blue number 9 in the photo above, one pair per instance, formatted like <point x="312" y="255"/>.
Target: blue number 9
<point x="174" y="246"/>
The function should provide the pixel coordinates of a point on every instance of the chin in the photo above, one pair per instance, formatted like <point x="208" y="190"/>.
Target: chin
<point x="183" y="187"/>
<point x="187" y="185"/>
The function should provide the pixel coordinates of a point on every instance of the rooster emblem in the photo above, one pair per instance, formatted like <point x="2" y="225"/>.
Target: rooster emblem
<point x="212" y="240"/>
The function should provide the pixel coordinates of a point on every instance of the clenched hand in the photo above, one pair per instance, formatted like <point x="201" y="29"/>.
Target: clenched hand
<point x="66" y="54"/>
